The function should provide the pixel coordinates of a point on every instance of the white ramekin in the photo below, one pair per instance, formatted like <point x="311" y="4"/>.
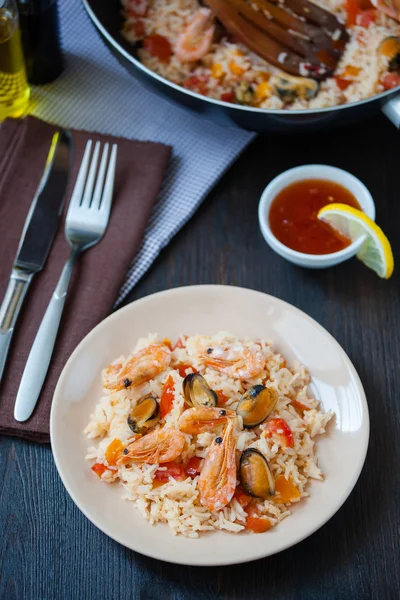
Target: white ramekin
<point x="313" y="261"/>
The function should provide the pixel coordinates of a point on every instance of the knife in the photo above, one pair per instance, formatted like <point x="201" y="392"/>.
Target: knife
<point x="37" y="236"/>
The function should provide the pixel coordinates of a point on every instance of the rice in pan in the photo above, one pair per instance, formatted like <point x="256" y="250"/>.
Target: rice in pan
<point x="182" y="454"/>
<point x="224" y="69"/>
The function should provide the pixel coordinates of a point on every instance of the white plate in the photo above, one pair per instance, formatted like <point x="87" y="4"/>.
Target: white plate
<point x="208" y="309"/>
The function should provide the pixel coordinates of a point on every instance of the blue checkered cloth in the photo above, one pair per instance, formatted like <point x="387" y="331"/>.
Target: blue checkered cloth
<point x="96" y="94"/>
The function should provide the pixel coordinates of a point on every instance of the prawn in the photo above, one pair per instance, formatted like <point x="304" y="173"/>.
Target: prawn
<point x="195" y="41"/>
<point x="159" y="446"/>
<point x="141" y="367"/>
<point x="217" y="481"/>
<point x="203" y="418"/>
<point x="238" y="361"/>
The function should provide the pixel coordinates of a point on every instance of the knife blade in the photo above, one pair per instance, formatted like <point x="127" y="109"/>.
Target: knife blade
<point x="37" y="235"/>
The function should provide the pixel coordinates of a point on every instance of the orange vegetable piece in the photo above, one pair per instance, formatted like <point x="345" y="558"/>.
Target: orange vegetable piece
<point x="351" y="71"/>
<point x="342" y="83"/>
<point x="167" y="342"/>
<point x="157" y="483"/>
<point x="113" y="451"/>
<point x="352" y="7"/>
<point x="158" y="46"/>
<point x="182" y="369"/>
<point x="299" y="407"/>
<point x="99" y="469"/>
<point x="217" y="71"/>
<point x="241" y="496"/>
<point x="235" y="69"/>
<point x="258" y="524"/>
<point x="167" y="397"/>
<point x="285" y="491"/>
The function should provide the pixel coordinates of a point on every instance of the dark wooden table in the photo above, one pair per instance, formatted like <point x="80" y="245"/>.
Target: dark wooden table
<point x="49" y="550"/>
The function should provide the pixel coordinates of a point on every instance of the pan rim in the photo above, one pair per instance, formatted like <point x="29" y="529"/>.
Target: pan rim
<point x="381" y="97"/>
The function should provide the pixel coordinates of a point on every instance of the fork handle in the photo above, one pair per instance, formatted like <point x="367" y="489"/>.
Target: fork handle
<point x="42" y="349"/>
<point x="9" y="310"/>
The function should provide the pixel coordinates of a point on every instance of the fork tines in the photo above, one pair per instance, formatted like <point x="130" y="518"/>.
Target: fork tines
<point x="294" y="35"/>
<point x="83" y="194"/>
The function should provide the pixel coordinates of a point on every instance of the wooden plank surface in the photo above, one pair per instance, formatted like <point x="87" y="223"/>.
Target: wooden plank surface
<point x="49" y="550"/>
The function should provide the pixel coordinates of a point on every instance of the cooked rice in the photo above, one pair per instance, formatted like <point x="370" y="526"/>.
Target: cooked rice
<point x="177" y="502"/>
<point x="232" y="68"/>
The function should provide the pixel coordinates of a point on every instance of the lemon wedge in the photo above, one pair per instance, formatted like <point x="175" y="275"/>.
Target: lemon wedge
<point x="376" y="252"/>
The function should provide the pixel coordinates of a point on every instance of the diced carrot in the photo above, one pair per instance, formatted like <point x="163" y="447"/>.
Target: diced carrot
<point x="263" y="90"/>
<point x="217" y="71"/>
<point x="167" y="397"/>
<point x="389" y="47"/>
<point x="157" y="483"/>
<point x="167" y="342"/>
<point x="285" y="491"/>
<point x="99" y="469"/>
<point x="241" y="496"/>
<point x="264" y="75"/>
<point x="236" y="69"/>
<point x="342" y="83"/>
<point x="299" y="407"/>
<point x="352" y="8"/>
<point x="258" y="524"/>
<point x="113" y="451"/>
<point x="351" y="71"/>
<point x="182" y="369"/>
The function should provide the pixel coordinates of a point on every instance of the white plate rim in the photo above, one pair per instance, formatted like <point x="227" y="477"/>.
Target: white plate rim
<point x="363" y="448"/>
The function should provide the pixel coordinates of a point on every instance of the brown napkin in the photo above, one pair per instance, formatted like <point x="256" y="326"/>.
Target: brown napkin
<point x="100" y="271"/>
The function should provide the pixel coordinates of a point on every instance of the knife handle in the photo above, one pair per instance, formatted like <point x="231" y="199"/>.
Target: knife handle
<point x="9" y="310"/>
<point x="42" y="349"/>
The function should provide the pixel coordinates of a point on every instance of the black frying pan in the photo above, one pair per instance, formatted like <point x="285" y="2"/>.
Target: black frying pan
<point x="106" y="16"/>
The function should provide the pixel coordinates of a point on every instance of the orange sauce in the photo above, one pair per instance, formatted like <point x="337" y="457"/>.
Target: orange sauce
<point x="293" y="216"/>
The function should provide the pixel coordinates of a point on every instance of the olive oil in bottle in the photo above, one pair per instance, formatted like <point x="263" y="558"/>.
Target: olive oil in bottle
<point x="14" y="88"/>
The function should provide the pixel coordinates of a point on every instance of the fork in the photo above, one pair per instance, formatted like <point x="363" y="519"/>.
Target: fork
<point x="86" y="222"/>
<point x="294" y="35"/>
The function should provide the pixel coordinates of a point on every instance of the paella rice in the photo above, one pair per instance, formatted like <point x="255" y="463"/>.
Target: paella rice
<point x="225" y="69"/>
<point x="186" y="428"/>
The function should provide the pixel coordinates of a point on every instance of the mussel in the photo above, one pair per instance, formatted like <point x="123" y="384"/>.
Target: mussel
<point x="389" y="49"/>
<point x="255" y="475"/>
<point x="145" y="415"/>
<point x="290" y="88"/>
<point x="256" y="404"/>
<point x="197" y="392"/>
